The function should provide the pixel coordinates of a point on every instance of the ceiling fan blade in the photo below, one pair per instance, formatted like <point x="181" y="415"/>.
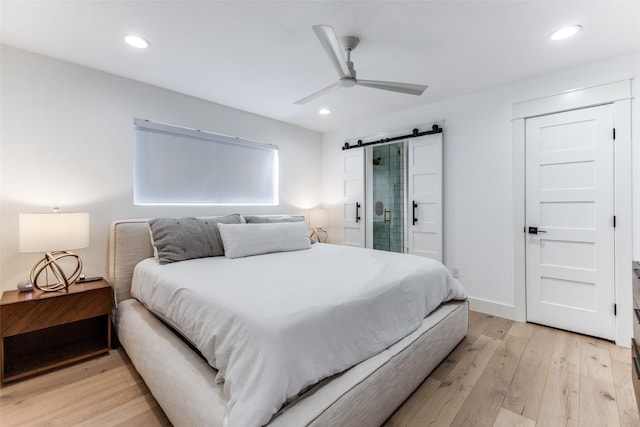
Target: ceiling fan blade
<point x="318" y="93"/>
<point x="329" y="42"/>
<point x="408" y="88"/>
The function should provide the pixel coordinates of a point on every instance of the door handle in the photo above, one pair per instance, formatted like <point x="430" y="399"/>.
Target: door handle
<point x="414" y="205"/>
<point x="357" y="212"/>
<point x="535" y="230"/>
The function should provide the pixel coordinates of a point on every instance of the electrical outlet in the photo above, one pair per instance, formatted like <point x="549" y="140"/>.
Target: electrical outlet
<point x="457" y="272"/>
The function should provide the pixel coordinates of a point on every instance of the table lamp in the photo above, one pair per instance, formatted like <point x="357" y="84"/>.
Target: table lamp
<point x="54" y="233"/>
<point x="319" y="221"/>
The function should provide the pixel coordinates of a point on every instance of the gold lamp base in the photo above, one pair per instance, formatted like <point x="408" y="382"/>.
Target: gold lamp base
<point x="318" y="232"/>
<point x="50" y="263"/>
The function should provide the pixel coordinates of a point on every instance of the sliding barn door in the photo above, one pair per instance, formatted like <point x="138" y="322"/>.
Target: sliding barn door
<point x="424" y="228"/>
<point x="353" y="193"/>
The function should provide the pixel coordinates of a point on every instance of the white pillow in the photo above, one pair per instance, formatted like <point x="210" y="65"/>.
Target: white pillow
<point x="241" y="240"/>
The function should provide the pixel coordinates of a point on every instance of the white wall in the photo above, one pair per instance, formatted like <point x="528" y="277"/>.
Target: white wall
<point x="478" y="213"/>
<point x="66" y="140"/>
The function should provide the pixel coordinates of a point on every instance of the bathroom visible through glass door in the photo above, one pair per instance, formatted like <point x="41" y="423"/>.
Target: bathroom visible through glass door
<point x="387" y="207"/>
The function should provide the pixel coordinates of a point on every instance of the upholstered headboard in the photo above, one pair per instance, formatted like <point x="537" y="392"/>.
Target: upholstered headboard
<point x="130" y="243"/>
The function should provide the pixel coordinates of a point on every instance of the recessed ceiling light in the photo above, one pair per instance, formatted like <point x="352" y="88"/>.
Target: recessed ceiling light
<point x="565" y="32"/>
<point x="136" y="41"/>
<point x="324" y="111"/>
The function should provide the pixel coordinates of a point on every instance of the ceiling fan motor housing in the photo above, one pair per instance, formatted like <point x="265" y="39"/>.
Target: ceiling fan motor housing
<point x="349" y="42"/>
<point x="348" y="81"/>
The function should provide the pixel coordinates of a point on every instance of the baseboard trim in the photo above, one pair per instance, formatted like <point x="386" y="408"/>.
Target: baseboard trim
<point x="496" y="309"/>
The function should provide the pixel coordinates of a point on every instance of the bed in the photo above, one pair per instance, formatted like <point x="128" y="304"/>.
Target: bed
<point x="189" y="389"/>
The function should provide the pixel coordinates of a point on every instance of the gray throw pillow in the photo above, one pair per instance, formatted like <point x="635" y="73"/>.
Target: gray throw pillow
<point x="180" y="239"/>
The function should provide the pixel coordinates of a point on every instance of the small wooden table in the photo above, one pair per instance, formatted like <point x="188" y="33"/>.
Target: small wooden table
<point x="44" y="330"/>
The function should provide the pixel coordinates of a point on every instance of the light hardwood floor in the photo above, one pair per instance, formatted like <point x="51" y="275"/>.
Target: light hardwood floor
<point x="503" y="373"/>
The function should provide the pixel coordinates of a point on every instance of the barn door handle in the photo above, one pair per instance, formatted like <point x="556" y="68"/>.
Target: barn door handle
<point x="415" y="205"/>
<point x="357" y="212"/>
<point x="636" y="364"/>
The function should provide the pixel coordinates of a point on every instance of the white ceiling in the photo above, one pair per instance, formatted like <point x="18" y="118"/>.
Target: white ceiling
<point x="262" y="56"/>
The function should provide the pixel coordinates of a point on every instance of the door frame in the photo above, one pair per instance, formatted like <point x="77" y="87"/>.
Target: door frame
<point x="619" y="95"/>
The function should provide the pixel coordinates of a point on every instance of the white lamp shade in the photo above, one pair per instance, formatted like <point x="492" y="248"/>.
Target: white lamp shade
<point x="319" y="218"/>
<point x="47" y="232"/>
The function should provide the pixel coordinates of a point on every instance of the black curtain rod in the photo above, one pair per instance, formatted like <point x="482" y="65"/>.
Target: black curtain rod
<point x="415" y="134"/>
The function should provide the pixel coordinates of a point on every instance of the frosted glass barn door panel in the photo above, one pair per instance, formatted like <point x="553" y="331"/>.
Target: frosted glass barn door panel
<point x="424" y="213"/>
<point x="569" y="218"/>
<point x="353" y="195"/>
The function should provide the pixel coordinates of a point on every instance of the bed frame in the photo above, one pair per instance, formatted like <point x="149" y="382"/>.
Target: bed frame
<point x="184" y="384"/>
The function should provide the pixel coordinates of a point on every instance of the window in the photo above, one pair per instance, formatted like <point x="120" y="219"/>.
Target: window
<point x="179" y="166"/>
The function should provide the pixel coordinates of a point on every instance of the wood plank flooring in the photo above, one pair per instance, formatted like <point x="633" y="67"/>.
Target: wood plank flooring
<point x="503" y="374"/>
<point x="530" y="375"/>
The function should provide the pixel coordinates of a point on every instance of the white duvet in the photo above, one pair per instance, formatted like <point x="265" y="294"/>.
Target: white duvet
<point x="275" y="324"/>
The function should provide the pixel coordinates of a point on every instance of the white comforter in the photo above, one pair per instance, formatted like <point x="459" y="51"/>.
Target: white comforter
<point x="274" y="324"/>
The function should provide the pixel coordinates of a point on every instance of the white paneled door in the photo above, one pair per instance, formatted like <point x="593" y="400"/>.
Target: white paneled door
<point x="424" y="229"/>
<point x="570" y="221"/>
<point x="353" y="196"/>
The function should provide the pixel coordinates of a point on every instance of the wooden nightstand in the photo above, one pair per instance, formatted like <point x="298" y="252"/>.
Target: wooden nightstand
<point x="43" y="330"/>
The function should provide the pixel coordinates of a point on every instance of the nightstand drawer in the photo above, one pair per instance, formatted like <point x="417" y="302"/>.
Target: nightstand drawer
<point x="44" y="313"/>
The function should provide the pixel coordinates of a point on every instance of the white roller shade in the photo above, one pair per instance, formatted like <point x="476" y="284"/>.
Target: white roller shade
<point x="174" y="165"/>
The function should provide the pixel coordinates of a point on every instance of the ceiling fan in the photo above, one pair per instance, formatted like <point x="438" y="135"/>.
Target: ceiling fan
<point x="347" y="73"/>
